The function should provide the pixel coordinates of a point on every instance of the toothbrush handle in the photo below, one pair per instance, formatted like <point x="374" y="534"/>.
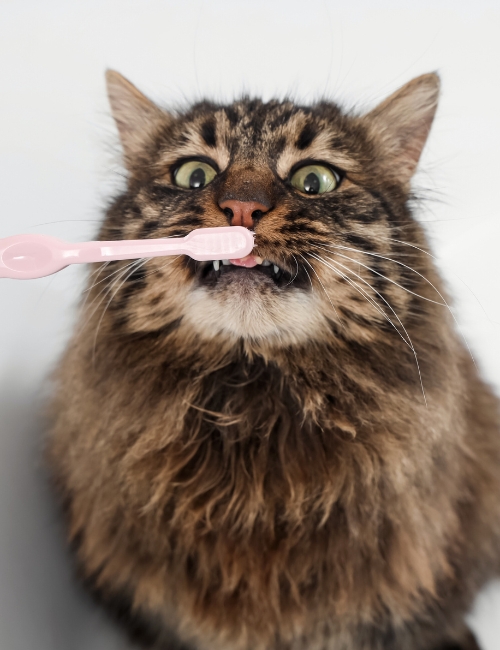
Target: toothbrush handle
<point x="129" y="249"/>
<point x="26" y="257"/>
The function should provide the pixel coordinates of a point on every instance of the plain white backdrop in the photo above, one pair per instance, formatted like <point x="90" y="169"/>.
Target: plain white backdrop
<point x="59" y="163"/>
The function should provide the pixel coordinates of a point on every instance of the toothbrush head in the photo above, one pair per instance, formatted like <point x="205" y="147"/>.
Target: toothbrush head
<point x="219" y="243"/>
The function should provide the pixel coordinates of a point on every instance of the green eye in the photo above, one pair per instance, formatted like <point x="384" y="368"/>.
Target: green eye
<point x="194" y="175"/>
<point x="315" y="179"/>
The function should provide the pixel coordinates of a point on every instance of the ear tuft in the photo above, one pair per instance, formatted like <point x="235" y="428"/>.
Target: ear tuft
<point x="402" y="123"/>
<point x="135" y="115"/>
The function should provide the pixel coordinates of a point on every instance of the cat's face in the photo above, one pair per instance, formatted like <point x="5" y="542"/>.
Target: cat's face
<point x="324" y="193"/>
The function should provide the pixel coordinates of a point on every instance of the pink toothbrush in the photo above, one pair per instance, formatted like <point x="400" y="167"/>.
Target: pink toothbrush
<point x="34" y="256"/>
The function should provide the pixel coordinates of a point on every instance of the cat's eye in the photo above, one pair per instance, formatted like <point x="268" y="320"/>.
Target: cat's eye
<point x="315" y="179"/>
<point x="194" y="174"/>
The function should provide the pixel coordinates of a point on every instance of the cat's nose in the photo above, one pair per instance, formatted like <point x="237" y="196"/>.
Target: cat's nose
<point x="243" y="213"/>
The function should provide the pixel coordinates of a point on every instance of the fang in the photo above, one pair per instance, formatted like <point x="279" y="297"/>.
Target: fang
<point x="216" y="265"/>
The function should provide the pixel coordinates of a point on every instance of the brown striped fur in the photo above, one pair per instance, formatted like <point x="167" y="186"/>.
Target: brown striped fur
<point x="265" y="465"/>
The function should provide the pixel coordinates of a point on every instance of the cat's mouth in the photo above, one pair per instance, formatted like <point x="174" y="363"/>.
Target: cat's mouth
<point x="262" y="272"/>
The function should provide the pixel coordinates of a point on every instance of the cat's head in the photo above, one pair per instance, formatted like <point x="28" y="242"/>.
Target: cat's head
<point x="325" y="193"/>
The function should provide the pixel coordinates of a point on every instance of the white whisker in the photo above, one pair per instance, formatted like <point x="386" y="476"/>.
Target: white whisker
<point x="106" y="290"/>
<point x="312" y="287"/>
<point x="389" y="259"/>
<point x="412" y="347"/>
<point x="105" y="265"/>
<point x="120" y="285"/>
<point x="296" y="272"/>
<point x="323" y="287"/>
<point x="361" y="291"/>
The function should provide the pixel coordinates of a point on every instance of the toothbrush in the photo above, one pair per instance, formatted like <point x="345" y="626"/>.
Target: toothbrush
<point x="34" y="256"/>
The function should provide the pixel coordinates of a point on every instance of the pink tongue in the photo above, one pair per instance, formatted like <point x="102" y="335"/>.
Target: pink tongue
<point x="247" y="261"/>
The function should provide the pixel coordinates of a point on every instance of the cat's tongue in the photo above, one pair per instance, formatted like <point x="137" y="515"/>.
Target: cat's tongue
<point x="248" y="261"/>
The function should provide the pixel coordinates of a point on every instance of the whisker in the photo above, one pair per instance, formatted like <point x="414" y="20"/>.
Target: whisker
<point x="120" y="285"/>
<point x="95" y="273"/>
<point x="412" y="347"/>
<point x="312" y="287"/>
<point x="421" y="250"/>
<point x="323" y="287"/>
<point x="99" y="271"/>
<point x="361" y="291"/>
<point x="100" y="267"/>
<point x="103" y="266"/>
<point x="49" y="223"/>
<point x="389" y="259"/>
<point x="106" y="290"/>
<point x="152" y="272"/>
<point x="296" y="272"/>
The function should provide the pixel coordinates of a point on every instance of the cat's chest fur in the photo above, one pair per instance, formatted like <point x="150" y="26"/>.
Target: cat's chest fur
<point x="260" y="510"/>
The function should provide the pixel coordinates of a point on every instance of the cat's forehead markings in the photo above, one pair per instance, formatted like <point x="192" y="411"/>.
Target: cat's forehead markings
<point x="320" y="148"/>
<point x="199" y="139"/>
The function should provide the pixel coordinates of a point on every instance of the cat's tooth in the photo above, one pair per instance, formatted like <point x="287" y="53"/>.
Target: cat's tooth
<point x="216" y="264"/>
<point x="276" y="269"/>
<point x="266" y="263"/>
<point x="226" y="262"/>
<point x="258" y="259"/>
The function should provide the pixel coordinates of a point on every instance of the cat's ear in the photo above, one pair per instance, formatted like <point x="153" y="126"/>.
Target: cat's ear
<point x="402" y="123"/>
<point x="136" y="116"/>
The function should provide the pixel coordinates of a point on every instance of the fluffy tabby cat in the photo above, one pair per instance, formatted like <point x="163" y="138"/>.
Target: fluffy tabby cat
<point x="293" y="451"/>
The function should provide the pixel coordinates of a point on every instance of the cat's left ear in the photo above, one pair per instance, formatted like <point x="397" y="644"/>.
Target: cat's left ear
<point x="136" y="116"/>
<point x="402" y="123"/>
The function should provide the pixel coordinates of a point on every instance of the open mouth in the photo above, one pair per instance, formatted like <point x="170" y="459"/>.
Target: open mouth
<point x="258" y="270"/>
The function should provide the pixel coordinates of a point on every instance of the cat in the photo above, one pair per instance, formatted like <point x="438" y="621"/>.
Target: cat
<point x="294" y="450"/>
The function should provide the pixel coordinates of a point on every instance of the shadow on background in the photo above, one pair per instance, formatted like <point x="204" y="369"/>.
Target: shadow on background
<point x="41" y="606"/>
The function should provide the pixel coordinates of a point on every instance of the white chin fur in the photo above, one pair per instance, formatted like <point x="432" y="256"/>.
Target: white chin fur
<point x="291" y="318"/>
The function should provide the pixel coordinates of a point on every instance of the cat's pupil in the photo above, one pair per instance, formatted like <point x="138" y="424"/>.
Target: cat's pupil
<point x="311" y="183"/>
<point x="197" y="178"/>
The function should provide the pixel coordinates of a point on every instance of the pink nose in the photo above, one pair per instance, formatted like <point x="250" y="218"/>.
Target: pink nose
<point x="243" y="213"/>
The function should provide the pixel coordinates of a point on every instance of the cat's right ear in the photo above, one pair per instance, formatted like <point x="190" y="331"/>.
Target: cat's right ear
<point x="136" y="116"/>
<point x="402" y="123"/>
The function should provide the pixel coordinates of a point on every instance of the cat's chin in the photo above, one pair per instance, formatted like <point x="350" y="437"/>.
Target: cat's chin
<point x="245" y="281"/>
<point x="249" y="307"/>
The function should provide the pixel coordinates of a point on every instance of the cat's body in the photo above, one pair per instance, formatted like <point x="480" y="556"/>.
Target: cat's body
<point x="300" y="459"/>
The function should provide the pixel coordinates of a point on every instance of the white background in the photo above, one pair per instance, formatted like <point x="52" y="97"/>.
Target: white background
<point x="58" y="163"/>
